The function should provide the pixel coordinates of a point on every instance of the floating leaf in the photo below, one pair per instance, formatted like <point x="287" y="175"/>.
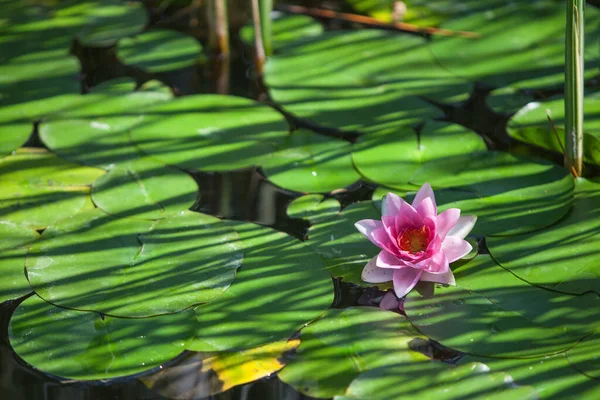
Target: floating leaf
<point x="343" y="343"/>
<point x="95" y="129"/>
<point x="217" y="372"/>
<point x="13" y="284"/>
<point x="144" y="189"/>
<point x="281" y="286"/>
<point x="551" y="376"/>
<point x="39" y="188"/>
<point x="85" y="345"/>
<point x="285" y="29"/>
<point x="390" y="158"/>
<point x="507" y="100"/>
<point x="160" y="50"/>
<point x="308" y="162"/>
<point x="493" y="313"/>
<point x="380" y="76"/>
<point x="521" y="45"/>
<point x="509" y="194"/>
<point x="561" y="257"/>
<point x="530" y="125"/>
<point x="13" y="235"/>
<point x="134" y="268"/>
<point x="585" y="356"/>
<point x="210" y="132"/>
<point x="313" y="207"/>
<point x="431" y="380"/>
<point x="111" y="21"/>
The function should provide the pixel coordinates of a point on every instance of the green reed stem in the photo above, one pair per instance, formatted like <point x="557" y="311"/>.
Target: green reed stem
<point x="574" y="63"/>
<point x="266" y="7"/>
<point x="259" y="48"/>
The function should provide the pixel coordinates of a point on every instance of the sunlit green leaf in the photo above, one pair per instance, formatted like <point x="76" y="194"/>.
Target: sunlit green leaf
<point x="85" y="345"/>
<point x="131" y="267"/>
<point x="281" y="286"/>
<point x="285" y="30"/>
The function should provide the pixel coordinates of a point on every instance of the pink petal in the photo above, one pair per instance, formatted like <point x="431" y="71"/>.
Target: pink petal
<point x="455" y="248"/>
<point x="445" y="221"/>
<point x="392" y="204"/>
<point x="367" y="226"/>
<point x="389" y="301"/>
<point x="385" y="259"/>
<point x="408" y="218"/>
<point x="373" y="274"/>
<point x="405" y="279"/>
<point x="463" y="226"/>
<point x="389" y="222"/>
<point x="426" y="208"/>
<point x="382" y="240"/>
<point x="425" y="192"/>
<point x="436" y="264"/>
<point x="446" y="278"/>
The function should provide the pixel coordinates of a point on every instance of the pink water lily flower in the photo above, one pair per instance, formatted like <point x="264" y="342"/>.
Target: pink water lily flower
<point x="416" y="243"/>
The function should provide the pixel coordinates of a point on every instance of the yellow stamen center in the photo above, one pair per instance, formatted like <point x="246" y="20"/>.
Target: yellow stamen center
<point x="414" y="240"/>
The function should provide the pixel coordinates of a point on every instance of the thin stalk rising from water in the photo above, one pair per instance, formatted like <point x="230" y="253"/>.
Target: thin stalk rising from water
<point x="266" y="7"/>
<point x="574" y="64"/>
<point x="259" y="48"/>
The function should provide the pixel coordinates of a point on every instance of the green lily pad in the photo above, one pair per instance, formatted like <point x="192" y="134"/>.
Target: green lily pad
<point x="507" y="100"/>
<point x="390" y="158"/>
<point x="285" y="29"/>
<point x="380" y="76"/>
<point x="281" y="286"/>
<point x="131" y="267"/>
<point x="345" y="250"/>
<point x="561" y="257"/>
<point x="521" y="45"/>
<point x="345" y="342"/>
<point x="144" y="189"/>
<point x="553" y="377"/>
<point x="530" y="125"/>
<point x="39" y="188"/>
<point x="160" y="50"/>
<point x="210" y="132"/>
<point x="87" y="346"/>
<point x="112" y="20"/>
<point x="13" y="235"/>
<point x="308" y="162"/>
<point x="585" y="357"/>
<point x="434" y="380"/>
<point x="493" y="313"/>
<point x="513" y="194"/>
<point x="14" y="283"/>
<point x="95" y="130"/>
<point x="313" y="207"/>
<point x="218" y="372"/>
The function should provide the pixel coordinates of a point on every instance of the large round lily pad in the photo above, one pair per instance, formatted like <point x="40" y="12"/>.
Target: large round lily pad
<point x="14" y="240"/>
<point x="512" y="194"/>
<point x="111" y="21"/>
<point x="561" y="257"/>
<point x="285" y="29"/>
<point x="210" y="132"/>
<point x="85" y="345"/>
<point x="144" y="189"/>
<point x="391" y="157"/>
<point x="281" y="286"/>
<point x="553" y="377"/>
<point x="94" y="130"/>
<point x="308" y="162"/>
<point x="380" y="76"/>
<point x="313" y="207"/>
<point x="435" y="381"/>
<point x="39" y="188"/>
<point x="530" y="125"/>
<point x="522" y="44"/>
<point x="345" y="342"/>
<point x="131" y="267"/>
<point x="491" y="312"/>
<point x="160" y="50"/>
